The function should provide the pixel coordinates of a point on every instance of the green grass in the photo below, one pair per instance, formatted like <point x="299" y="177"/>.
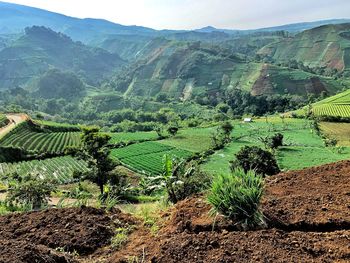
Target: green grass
<point x="193" y="139"/>
<point x="303" y="147"/>
<point x="131" y="136"/>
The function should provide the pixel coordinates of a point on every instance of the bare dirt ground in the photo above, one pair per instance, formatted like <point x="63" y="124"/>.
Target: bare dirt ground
<point x="307" y="211"/>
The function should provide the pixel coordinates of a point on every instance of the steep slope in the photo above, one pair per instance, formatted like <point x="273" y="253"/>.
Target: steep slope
<point x="323" y="47"/>
<point x="41" y="49"/>
<point x="179" y="69"/>
<point x="274" y="79"/>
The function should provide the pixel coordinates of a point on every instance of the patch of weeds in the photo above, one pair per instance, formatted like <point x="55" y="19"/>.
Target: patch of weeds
<point x="73" y="254"/>
<point x="121" y="237"/>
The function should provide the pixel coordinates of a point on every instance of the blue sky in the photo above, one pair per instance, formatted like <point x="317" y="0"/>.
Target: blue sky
<point x="191" y="14"/>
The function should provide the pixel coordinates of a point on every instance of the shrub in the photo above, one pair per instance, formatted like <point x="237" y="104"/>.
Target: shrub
<point x="237" y="196"/>
<point x="183" y="180"/>
<point x="257" y="159"/>
<point x="172" y="130"/>
<point x="30" y="190"/>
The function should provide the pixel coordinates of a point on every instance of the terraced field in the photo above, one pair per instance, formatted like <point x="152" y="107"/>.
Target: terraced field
<point x="34" y="140"/>
<point x="131" y="136"/>
<point x="335" y="106"/>
<point x="60" y="168"/>
<point x="147" y="157"/>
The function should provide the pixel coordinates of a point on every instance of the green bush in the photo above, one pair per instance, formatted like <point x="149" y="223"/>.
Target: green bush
<point x="237" y="196"/>
<point x="30" y="190"/>
<point x="257" y="159"/>
<point x="183" y="179"/>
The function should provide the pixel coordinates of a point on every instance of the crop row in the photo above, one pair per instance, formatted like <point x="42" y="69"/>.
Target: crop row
<point x="54" y="142"/>
<point x="148" y="157"/>
<point x="60" y="168"/>
<point x="140" y="149"/>
<point x="332" y="110"/>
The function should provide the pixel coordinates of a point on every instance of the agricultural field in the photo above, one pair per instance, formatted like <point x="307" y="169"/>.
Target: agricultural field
<point x="193" y="139"/>
<point x="131" y="136"/>
<point x="339" y="131"/>
<point x="52" y="125"/>
<point x="30" y="139"/>
<point x="60" y="168"/>
<point x="147" y="157"/>
<point x="335" y="106"/>
<point x="303" y="148"/>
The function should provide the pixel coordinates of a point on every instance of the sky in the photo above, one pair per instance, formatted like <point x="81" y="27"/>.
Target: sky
<point x="192" y="14"/>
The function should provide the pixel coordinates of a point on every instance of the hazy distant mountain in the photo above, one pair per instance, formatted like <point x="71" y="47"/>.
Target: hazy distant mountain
<point x="14" y="18"/>
<point x="293" y="28"/>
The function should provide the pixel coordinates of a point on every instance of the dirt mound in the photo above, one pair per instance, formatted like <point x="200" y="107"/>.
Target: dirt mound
<point x="82" y="230"/>
<point x="21" y="251"/>
<point x="314" y="199"/>
<point x="255" y="246"/>
<point x="308" y="215"/>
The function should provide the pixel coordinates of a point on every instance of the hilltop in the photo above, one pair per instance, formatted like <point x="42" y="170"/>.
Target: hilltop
<point x="326" y="49"/>
<point x="41" y="49"/>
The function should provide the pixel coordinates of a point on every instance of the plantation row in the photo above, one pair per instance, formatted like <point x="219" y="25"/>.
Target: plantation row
<point x="60" y="168"/>
<point x="131" y="136"/>
<point x="148" y="157"/>
<point x="40" y="142"/>
<point x="332" y="110"/>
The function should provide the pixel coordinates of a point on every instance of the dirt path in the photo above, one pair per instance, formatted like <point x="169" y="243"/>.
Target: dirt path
<point x="15" y="119"/>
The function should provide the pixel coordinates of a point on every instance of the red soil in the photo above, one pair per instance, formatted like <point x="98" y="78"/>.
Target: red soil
<point x="307" y="212"/>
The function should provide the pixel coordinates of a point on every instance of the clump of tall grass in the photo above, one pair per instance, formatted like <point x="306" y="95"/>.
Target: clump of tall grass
<point x="237" y="196"/>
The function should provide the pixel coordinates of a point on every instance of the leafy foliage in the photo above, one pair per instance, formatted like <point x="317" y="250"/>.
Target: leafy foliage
<point x="257" y="159"/>
<point x="238" y="197"/>
<point x="96" y="154"/>
<point x="183" y="180"/>
<point x="30" y="190"/>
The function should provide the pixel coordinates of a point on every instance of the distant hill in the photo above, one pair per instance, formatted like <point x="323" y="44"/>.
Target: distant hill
<point x="14" y="18"/>
<point x="322" y="47"/>
<point x="42" y="49"/>
<point x="292" y="28"/>
<point x="184" y="70"/>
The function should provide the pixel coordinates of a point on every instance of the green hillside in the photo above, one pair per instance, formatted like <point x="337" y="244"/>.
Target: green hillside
<point x="41" y="49"/>
<point x="322" y="47"/>
<point x="334" y="106"/>
<point x="41" y="139"/>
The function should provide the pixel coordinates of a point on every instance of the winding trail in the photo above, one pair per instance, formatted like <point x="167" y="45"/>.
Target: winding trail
<point x="15" y="119"/>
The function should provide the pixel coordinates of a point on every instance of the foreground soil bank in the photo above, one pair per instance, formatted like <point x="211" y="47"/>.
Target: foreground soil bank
<point x="308" y="213"/>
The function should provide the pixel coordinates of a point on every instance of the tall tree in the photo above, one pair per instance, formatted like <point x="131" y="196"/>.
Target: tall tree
<point x="96" y="153"/>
